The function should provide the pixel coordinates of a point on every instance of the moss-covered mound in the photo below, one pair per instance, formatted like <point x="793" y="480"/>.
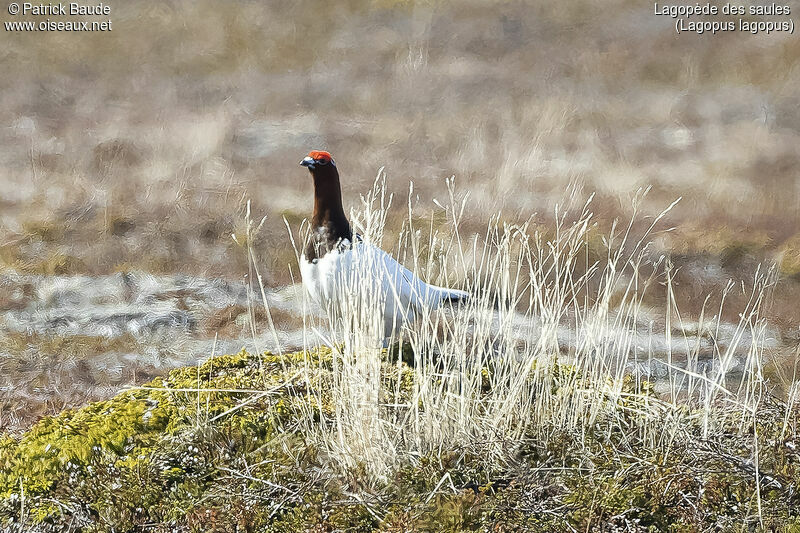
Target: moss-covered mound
<point x="165" y="458"/>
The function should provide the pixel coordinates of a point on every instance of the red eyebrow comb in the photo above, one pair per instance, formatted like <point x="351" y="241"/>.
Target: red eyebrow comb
<point x="319" y="154"/>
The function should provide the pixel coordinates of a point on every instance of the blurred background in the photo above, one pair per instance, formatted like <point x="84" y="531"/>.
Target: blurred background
<point x="127" y="158"/>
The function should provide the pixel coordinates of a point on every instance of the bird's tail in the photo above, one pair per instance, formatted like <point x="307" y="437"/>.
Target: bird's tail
<point x="442" y="296"/>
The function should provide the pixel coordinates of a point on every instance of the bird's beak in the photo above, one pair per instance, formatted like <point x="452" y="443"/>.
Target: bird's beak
<point x="308" y="162"/>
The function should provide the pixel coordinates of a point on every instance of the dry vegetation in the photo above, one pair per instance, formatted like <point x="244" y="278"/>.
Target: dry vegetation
<point x="531" y="407"/>
<point x="134" y="149"/>
<point x="128" y="158"/>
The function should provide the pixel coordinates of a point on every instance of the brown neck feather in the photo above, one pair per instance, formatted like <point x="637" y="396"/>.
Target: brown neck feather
<point x="329" y="224"/>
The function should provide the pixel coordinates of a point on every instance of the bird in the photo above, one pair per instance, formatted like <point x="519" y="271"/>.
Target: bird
<point x="337" y="264"/>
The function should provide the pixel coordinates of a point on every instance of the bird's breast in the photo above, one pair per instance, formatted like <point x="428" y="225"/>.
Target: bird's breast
<point x="321" y="275"/>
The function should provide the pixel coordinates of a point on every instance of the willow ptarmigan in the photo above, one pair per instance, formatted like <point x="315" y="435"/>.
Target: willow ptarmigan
<point x="334" y="263"/>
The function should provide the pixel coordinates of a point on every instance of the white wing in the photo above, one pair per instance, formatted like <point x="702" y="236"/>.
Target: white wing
<point x="406" y="287"/>
<point x="376" y="280"/>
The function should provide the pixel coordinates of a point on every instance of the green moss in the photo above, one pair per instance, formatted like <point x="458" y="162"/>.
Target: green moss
<point x="158" y="455"/>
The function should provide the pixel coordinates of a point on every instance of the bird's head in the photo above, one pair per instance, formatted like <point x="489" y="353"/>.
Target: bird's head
<point x="317" y="160"/>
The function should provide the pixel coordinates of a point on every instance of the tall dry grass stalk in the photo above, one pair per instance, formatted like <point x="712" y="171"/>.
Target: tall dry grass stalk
<point x="546" y="344"/>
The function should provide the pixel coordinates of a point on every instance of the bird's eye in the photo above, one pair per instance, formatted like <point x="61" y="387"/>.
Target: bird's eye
<point x="322" y="161"/>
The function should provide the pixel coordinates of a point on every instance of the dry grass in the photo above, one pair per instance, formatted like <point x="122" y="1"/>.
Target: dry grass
<point x="548" y="342"/>
<point x="136" y="150"/>
<point x="550" y="346"/>
<point x="541" y="399"/>
<point x="137" y="146"/>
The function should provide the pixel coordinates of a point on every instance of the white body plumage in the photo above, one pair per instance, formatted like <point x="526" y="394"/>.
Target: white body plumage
<point x="362" y="279"/>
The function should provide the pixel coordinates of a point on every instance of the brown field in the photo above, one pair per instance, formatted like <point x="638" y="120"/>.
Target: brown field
<point x="136" y="150"/>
